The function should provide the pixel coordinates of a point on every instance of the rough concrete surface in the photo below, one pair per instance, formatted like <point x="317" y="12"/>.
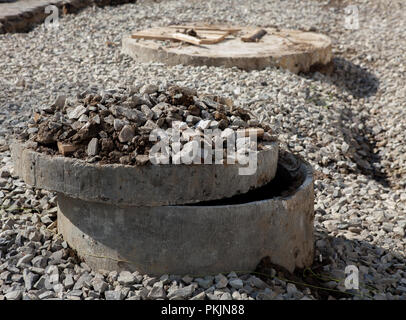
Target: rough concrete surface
<point x="152" y="185"/>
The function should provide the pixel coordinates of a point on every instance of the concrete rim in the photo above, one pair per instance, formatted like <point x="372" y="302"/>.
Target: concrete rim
<point x="139" y="186"/>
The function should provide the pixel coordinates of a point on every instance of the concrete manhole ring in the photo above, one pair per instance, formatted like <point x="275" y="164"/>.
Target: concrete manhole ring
<point x="206" y="238"/>
<point x="153" y="185"/>
<point x="293" y="50"/>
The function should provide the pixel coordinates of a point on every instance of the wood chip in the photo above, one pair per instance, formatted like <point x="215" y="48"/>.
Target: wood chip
<point x="255" y="36"/>
<point x="66" y="148"/>
<point x="36" y="117"/>
<point x="53" y="225"/>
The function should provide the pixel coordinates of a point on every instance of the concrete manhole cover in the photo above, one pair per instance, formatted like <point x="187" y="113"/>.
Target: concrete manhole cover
<point x="229" y="46"/>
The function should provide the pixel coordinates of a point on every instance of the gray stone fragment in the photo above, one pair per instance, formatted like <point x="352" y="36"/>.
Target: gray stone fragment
<point x="236" y="295"/>
<point x="14" y="295"/>
<point x="39" y="261"/>
<point x="149" y="114"/>
<point x="118" y="124"/>
<point x="76" y="293"/>
<point x="126" y="278"/>
<point x="200" y="296"/>
<point x="236" y="283"/>
<point x="60" y="101"/>
<point x="149" y="281"/>
<point x="113" y="295"/>
<point x="226" y="296"/>
<point x="68" y="282"/>
<point x="5" y="172"/>
<point x="247" y="289"/>
<point x="187" y="279"/>
<point x="204" y="283"/>
<point x="83" y="281"/>
<point x="83" y="118"/>
<point x="164" y="279"/>
<point x="149" y="89"/>
<point x="93" y="147"/>
<point x="212" y="296"/>
<point x="25" y="259"/>
<point x="182" y="293"/>
<point x="76" y="112"/>
<point x="58" y="288"/>
<point x="17" y="278"/>
<point x="221" y="281"/>
<point x="29" y="279"/>
<point x="126" y="134"/>
<point x="256" y="282"/>
<point x="58" y="255"/>
<point x="54" y="278"/>
<point x="157" y="291"/>
<point x="266" y="294"/>
<point x="29" y="296"/>
<point x="99" y="285"/>
<point x="40" y="284"/>
<point x="47" y="295"/>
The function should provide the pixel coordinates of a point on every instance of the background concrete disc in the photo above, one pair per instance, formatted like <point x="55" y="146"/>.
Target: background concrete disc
<point x="293" y="50"/>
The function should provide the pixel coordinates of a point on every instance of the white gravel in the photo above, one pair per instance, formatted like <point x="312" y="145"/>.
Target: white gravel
<point x="350" y="126"/>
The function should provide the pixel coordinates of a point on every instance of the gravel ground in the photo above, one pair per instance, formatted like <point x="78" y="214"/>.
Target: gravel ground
<point x="350" y="125"/>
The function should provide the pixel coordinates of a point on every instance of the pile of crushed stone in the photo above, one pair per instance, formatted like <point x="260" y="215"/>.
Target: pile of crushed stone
<point x="115" y="126"/>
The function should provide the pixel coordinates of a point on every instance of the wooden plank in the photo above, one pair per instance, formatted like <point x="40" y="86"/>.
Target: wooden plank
<point x="36" y="117"/>
<point x="150" y="35"/>
<point x="180" y="37"/>
<point x="213" y="32"/>
<point x="186" y="38"/>
<point x="213" y="40"/>
<point x="208" y="28"/>
<point x="255" y="36"/>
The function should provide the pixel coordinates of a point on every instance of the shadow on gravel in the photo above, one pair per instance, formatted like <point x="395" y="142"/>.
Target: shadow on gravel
<point x="360" y="83"/>
<point x="348" y="77"/>
<point x="323" y="277"/>
<point x="363" y="145"/>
